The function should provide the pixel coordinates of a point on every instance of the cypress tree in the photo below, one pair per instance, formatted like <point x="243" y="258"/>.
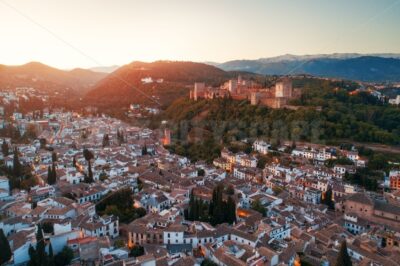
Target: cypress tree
<point x="51" y="250"/>
<point x="219" y="206"/>
<point x="4" y="148"/>
<point x="90" y="173"/>
<point x="51" y="255"/>
<point x="343" y="258"/>
<point x="5" y="250"/>
<point x="53" y="157"/>
<point x="33" y="257"/>
<point x="328" y="199"/>
<point x="106" y="140"/>
<point x="40" y="247"/>
<point x="196" y="210"/>
<point x="49" y="176"/>
<point x="54" y="174"/>
<point x="88" y="156"/>
<point x="16" y="164"/>
<point x="231" y="208"/>
<point x="191" y="204"/>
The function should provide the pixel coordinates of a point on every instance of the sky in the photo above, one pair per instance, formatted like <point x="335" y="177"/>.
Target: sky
<point x="89" y="33"/>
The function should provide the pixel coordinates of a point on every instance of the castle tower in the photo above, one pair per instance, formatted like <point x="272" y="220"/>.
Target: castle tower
<point x="254" y="98"/>
<point x="198" y="91"/>
<point x="283" y="88"/>
<point x="232" y="86"/>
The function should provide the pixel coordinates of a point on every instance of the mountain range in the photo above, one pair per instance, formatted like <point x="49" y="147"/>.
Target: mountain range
<point x="173" y="79"/>
<point x="46" y="78"/>
<point x="369" y="68"/>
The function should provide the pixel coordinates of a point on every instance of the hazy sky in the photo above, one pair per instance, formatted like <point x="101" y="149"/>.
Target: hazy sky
<point x="84" y="33"/>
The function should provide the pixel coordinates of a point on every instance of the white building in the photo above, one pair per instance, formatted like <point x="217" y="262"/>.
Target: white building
<point x="101" y="226"/>
<point x="395" y="101"/>
<point x="261" y="146"/>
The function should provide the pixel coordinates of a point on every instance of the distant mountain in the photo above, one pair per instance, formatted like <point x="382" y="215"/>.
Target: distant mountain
<point x="46" y="78"/>
<point x="169" y="80"/>
<point x="380" y="67"/>
<point x="105" y="69"/>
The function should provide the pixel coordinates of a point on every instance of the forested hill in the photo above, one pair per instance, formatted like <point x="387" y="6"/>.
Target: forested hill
<point x="169" y="81"/>
<point x="48" y="79"/>
<point x="327" y="113"/>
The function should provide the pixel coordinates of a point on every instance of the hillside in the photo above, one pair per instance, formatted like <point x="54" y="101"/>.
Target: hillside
<point x="170" y="80"/>
<point x="347" y="66"/>
<point x="340" y="116"/>
<point x="46" y="78"/>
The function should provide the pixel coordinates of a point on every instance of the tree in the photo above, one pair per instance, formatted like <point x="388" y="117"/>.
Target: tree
<point x="217" y="214"/>
<point x="48" y="227"/>
<point x="231" y="210"/>
<point x="230" y="190"/>
<point x="201" y="172"/>
<point x="327" y="198"/>
<point x="103" y="176"/>
<point x="33" y="261"/>
<point x="54" y="157"/>
<point x="50" y="180"/>
<point x="51" y="256"/>
<point x="106" y="140"/>
<point x="257" y="206"/>
<point x="88" y="157"/>
<point x="144" y="150"/>
<point x="43" y="143"/>
<point x="64" y="257"/>
<point x="4" y="148"/>
<point x="16" y="164"/>
<point x="343" y="258"/>
<point x="136" y="251"/>
<point x="208" y="262"/>
<point x="54" y="173"/>
<point x="5" y="250"/>
<point x="40" y="247"/>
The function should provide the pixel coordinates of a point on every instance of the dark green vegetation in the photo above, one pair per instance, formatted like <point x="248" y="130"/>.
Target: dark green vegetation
<point x="120" y="204"/>
<point x="257" y="206"/>
<point x="378" y="164"/>
<point x="39" y="256"/>
<point x="64" y="257"/>
<point x="88" y="157"/>
<point x="328" y="114"/>
<point x="136" y="251"/>
<point x="20" y="175"/>
<point x="5" y="250"/>
<point x="16" y="136"/>
<point x="218" y="211"/>
<point x="51" y="174"/>
<point x="327" y="199"/>
<point x="343" y="258"/>
<point x="208" y="262"/>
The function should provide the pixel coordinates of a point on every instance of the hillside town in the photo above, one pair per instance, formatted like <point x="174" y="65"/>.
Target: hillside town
<point x="109" y="193"/>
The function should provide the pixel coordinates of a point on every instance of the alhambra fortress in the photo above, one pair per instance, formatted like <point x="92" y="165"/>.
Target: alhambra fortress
<point x="277" y="96"/>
